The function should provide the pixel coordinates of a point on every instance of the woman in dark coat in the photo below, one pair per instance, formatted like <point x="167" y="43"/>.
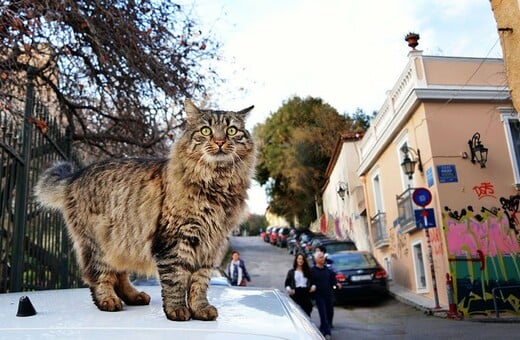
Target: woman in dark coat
<point x="299" y="285"/>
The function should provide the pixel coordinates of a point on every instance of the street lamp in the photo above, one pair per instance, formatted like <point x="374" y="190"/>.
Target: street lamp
<point x="478" y="150"/>
<point x="408" y="164"/>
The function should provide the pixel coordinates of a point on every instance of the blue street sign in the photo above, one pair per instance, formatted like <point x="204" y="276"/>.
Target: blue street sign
<point x="424" y="218"/>
<point x="422" y="197"/>
<point x="447" y="173"/>
<point x="429" y="177"/>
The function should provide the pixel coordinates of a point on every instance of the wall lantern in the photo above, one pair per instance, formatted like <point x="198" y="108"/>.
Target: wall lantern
<point x="478" y="150"/>
<point x="342" y="189"/>
<point x="408" y="164"/>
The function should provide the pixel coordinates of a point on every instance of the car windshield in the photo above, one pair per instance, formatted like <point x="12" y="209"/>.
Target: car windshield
<point x="335" y="247"/>
<point x="354" y="261"/>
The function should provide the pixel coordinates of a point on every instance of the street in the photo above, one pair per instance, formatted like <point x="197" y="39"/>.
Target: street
<point x="390" y="319"/>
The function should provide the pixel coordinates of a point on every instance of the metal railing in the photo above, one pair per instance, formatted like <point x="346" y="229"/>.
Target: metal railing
<point x="515" y="288"/>
<point x="35" y="252"/>
<point x="405" y="209"/>
<point x="379" y="233"/>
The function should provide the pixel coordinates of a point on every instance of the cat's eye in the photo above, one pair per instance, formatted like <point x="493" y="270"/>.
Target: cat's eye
<point x="206" y="131"/>
<point x="231" y="131"/>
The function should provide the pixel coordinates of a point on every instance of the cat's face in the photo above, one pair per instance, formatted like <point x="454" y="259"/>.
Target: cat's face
<point x="218" y="136"/>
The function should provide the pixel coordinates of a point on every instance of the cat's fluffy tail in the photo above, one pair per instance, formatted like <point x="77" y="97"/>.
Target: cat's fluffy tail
<point x="50" y="188"/>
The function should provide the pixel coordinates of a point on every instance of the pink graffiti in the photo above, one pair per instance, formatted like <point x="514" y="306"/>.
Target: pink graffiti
<point x="492" y="236"/>
<point x="460" y="240"/>
<point x="501" y="238"/>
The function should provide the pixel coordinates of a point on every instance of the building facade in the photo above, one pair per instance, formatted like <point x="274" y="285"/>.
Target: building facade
<point x="343" y="202"/>
<point x="452" y="216"/>
<point x="506" y="14"/>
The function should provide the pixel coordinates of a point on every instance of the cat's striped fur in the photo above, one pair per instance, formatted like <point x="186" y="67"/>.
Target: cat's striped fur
<point x="166" y="216"/>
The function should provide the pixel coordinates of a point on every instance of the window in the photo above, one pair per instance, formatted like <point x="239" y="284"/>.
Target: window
<point x="378" y="197"/>
<point x="419" y="268"/>
<point x="378" y="221"/>
<point x="512" y="129"/>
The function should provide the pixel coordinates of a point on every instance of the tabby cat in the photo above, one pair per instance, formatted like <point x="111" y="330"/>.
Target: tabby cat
<point x="166" y="216"/>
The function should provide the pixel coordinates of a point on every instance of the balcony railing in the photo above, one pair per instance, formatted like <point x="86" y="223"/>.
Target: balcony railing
<point x="378" y="225"/>
<point x="405" y="208"/>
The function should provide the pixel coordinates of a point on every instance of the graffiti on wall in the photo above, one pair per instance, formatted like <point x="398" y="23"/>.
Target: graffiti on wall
<point x="510" y="206"/>
<point x="398" y="245"/>
<point x="485" y="189"/>
<point x="436" y="242"/>
<point x="484" y="256"/>
<point x="341" y="227"/>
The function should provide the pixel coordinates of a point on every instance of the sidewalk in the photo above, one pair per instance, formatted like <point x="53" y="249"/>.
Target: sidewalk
<point x="428" y="306"/>
<point x="419" y="302"/>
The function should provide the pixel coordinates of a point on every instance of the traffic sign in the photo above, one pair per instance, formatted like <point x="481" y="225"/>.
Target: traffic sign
<point x="422" y="197"/>
<point x="424" y="218"/>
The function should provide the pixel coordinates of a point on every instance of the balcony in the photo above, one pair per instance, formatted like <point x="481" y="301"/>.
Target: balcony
<point x="405" y="208"/>
<point x="378" y="225"/>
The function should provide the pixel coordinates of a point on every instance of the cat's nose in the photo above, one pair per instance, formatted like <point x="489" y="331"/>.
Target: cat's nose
<point x="219" y="142"/>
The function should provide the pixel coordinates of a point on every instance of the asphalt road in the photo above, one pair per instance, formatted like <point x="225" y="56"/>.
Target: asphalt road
<point x="389" y="319"/>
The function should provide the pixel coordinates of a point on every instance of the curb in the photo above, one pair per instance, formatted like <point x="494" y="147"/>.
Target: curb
<point x="443" y="312"/>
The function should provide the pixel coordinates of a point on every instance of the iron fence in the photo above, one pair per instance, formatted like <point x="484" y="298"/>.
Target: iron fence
<point x="35" y="252"/>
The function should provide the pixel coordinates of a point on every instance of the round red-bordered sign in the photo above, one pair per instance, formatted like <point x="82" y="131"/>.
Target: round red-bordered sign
<point x="422" y="197"/>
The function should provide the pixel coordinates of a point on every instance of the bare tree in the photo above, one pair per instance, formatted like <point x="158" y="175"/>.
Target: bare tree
<point x="117" y="69"/>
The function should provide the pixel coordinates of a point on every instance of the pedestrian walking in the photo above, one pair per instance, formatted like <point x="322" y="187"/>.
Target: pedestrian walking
<point x="328" y="262"/>
<point x="298" y="283"/>
<point x="324" y="279"/>
<point x="236" y="270"/>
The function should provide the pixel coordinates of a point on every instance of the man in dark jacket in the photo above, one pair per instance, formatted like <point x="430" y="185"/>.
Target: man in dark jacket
<point x="324" y="280"/>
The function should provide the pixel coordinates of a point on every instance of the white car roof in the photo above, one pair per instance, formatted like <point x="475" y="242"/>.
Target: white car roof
<point x="244" y="313"/>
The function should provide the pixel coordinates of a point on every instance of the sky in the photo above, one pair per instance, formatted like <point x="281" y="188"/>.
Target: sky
<point x="348" y="53"/>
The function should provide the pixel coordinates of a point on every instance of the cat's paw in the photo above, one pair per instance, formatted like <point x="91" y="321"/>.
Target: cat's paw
<point x="139" y="299"/>
<point x="207" y="313"/>
<point x="110" y="305"/>
<point x="178" y="313"/>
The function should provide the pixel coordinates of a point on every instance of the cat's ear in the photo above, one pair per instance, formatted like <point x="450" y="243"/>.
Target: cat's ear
<point x="192" y="112"/>
<point x="246" y="111"/>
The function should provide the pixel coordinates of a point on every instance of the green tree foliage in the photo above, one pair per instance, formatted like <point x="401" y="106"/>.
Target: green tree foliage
<point x="360" y="120"/>
<point x="119" y="69"/>
<point x="294" y="148"/>
<point x="254" y="224"/>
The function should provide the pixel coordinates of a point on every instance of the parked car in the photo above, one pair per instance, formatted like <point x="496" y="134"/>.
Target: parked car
<point x="267" y="235"/>
<point x="71" y="314"/>
<point x="307" y="245"/>
<point x="360" y="275"/>
<point x="281" y="238"/>
<point x="332" y="245"/>
<point x="274" y="236"/>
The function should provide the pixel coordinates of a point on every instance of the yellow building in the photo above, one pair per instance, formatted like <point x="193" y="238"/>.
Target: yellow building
<point x="453" y="215"/>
